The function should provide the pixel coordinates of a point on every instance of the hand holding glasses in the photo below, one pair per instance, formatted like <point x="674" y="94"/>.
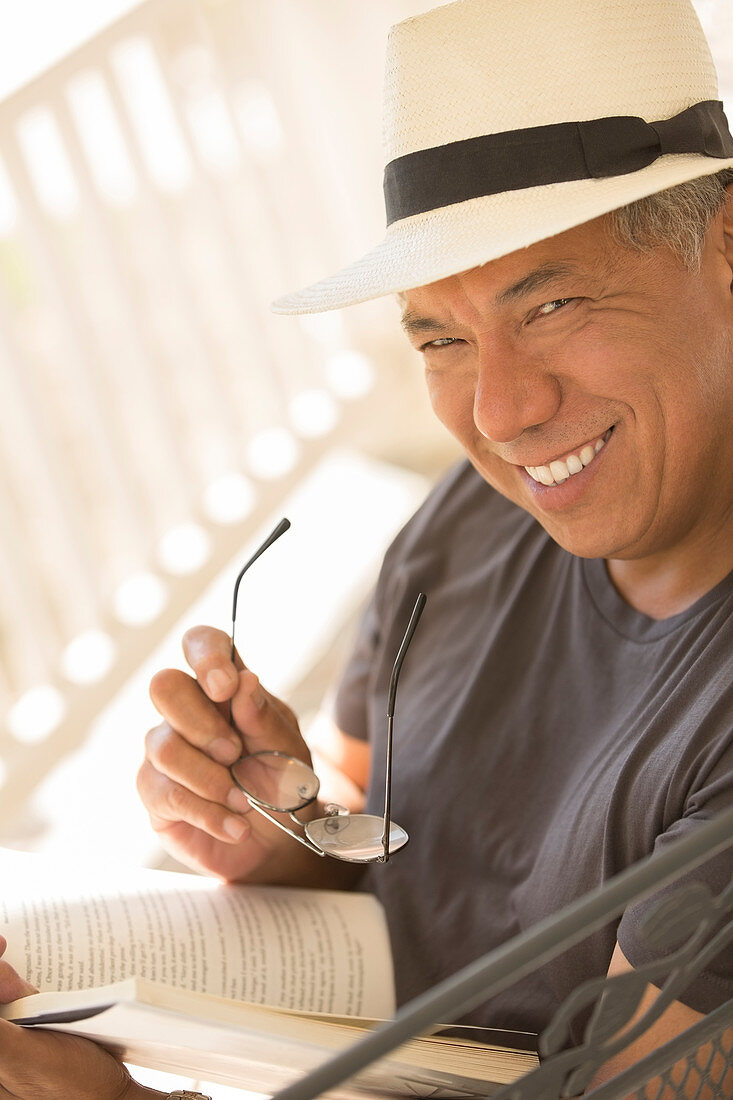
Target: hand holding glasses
<point x="274" y="782"/>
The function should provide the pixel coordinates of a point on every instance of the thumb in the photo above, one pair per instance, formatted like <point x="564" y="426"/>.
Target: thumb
<point x="264" y="721"/>
<point x="12" y="986"/>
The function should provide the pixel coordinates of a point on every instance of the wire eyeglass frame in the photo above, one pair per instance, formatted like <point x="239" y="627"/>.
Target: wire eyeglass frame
<point x="284" y="784"/>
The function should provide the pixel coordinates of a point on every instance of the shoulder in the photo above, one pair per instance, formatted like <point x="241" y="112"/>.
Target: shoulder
<point x="461" y="503"/>
<point x="464" y="531"/>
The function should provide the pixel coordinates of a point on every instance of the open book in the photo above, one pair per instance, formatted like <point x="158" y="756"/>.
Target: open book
<point x="244" y="985"/>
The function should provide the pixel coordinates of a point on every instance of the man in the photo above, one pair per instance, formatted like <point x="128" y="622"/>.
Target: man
<point x="566" y="706"/>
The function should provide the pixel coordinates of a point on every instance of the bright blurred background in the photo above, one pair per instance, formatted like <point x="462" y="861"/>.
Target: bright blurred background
<point x="167" y="168"/>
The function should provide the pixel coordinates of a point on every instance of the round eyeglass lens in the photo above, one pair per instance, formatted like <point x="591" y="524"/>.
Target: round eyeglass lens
<point x="356" y="838"/>
<point x="275" y="780"/>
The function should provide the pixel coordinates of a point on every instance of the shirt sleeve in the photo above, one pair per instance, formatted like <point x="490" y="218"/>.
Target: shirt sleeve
<point x="713" y="985"/>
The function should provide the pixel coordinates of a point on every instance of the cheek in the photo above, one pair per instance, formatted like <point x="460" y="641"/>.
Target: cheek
<point x="452" y="397"/>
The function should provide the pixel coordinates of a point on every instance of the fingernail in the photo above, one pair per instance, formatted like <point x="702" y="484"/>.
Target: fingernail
<point x="224" y="751"/>
<point x="235" y="827"/>
<point x="28" y="989"/>
<point x="237" y="800"/>
<point x="219" y="682"/>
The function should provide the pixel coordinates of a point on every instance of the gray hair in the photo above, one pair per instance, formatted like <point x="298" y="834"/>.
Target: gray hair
<point x="678" y="217"/>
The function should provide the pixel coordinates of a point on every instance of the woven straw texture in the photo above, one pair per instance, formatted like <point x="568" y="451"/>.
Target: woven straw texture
<point x="485" y="66"/>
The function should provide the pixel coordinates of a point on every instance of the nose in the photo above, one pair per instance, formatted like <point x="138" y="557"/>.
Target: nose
<point x="513" y="393"/>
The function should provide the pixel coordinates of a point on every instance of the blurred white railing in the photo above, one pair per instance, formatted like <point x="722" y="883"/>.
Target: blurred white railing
<point x="157" y="188"/>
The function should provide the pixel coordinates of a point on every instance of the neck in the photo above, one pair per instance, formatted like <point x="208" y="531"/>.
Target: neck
<point x="671" y="581"/>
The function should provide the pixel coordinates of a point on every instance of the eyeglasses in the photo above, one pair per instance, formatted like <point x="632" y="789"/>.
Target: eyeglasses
<point x="275" y="782"/>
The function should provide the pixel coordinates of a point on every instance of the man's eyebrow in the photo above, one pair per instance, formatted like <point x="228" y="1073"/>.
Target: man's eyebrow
<point x="535" y="280"/>
<point x="414" y="323"/>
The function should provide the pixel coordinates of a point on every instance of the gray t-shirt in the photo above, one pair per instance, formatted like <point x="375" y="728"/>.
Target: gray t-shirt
<point x="546" y="736"/>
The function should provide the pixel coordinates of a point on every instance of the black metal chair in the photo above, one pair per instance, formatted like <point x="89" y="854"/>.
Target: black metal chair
<point x="687" y="928"/>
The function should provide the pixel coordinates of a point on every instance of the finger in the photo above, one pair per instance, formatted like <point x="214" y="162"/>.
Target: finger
<point x="178" y="761"/>
<point x="12" y="985"/>
<point x="264" y="721"/>
<point x="170" y="803"/>
<point x="183" y="705"/>
<point x="209" y="653"/>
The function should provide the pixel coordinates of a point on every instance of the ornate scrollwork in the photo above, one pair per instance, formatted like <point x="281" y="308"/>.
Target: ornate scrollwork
<point x="683" y="929"/>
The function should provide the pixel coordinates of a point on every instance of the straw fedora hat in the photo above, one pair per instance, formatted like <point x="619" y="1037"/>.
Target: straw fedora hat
<point x="509" y="121"/>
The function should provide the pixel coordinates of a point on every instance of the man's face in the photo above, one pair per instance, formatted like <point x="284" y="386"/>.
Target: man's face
<point x="592" y="385"/>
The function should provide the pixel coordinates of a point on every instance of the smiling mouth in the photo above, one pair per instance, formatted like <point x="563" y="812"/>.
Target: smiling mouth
<point x="559" y="470"/>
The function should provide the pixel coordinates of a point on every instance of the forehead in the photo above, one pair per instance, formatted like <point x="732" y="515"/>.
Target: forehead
<point x="585" y="252"/>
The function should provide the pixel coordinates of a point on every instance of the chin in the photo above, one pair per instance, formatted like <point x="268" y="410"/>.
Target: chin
<point x="589" y="543"/>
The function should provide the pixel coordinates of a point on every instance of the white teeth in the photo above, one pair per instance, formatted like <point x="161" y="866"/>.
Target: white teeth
<point x="541" y="474"/>
<point x="560" y="469"/>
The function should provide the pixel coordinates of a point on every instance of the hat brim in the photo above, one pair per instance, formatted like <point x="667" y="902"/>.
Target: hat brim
<point x="432" y="246"/>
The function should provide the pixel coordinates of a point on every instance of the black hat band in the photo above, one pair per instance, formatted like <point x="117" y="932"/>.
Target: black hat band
<point x="516" y="159"/>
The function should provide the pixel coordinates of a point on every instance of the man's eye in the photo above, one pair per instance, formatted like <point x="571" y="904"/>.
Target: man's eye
<point x="442" y="342"/>
<point x="554" y="306"/>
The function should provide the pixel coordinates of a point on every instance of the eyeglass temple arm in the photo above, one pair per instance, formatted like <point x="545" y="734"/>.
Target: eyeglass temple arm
<point x="301" y="839"/>
<point x="275" y="534"/>
<point x="414" y="619"/>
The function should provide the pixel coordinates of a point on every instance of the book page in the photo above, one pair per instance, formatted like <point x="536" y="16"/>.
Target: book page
<point x="311" y="950"/>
